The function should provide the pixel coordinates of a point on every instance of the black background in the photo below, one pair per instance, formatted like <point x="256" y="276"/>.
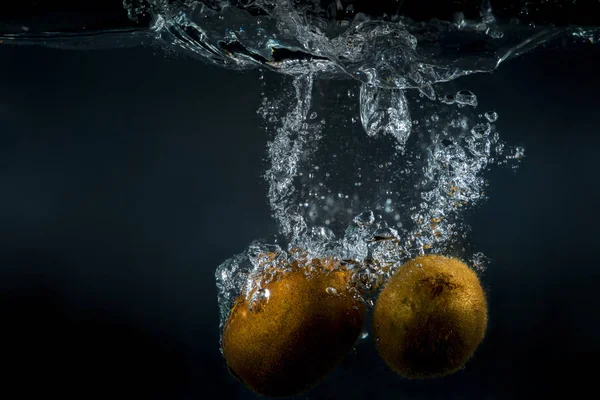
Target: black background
<point x="127" y="176"/>
<point x="61" y="15"/>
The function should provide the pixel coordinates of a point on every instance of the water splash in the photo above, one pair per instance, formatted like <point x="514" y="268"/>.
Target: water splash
<point x="298" y="36"/>
<point x="286" y="151"/>
<point x="370" y="180"/>
<point x="399" y="199"/>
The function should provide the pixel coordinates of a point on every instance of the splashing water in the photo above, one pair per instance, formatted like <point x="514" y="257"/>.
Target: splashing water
<point x="362" y="168"/>
<point x="389" y="174"/>
<point x="288" y="149"/>
<point x="339" y="189"/>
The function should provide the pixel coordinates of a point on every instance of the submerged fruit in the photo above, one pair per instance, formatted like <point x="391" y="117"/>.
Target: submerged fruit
<point x="296" y="334"/>
<point x="430" y="317"/>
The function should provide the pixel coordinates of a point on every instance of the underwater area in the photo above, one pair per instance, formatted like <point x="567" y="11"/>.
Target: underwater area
<point x="175" y="171"/>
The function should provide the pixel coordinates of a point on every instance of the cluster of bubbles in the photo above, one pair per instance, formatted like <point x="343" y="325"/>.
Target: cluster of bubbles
<point x="371" y="185"/>
<point x="372" y="160"/>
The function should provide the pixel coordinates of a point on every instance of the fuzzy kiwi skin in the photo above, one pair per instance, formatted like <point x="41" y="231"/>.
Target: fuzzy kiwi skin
<point x="430" y="317"/>
<point x="297" y="337"/>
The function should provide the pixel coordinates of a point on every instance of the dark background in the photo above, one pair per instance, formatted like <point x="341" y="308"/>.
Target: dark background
<point x="64" y="15"/>
<point x="127" y="176"/>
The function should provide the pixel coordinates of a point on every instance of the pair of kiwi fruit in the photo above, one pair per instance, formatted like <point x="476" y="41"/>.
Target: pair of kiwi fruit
<point x="428" y="320"/>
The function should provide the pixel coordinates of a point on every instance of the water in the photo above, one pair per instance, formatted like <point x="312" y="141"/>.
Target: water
<point x="374" y="154"/>
<point x="374" y="168"/>
<point x="378" y="167"/>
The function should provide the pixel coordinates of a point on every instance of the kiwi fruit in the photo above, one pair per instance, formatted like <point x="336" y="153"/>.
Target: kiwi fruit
<point x="430" y="317"/>
<point x="301" y="327"/>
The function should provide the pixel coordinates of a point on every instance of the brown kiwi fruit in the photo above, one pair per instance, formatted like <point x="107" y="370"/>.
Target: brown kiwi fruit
<point x="298" y="333"/>
<point x="430" y="317"/>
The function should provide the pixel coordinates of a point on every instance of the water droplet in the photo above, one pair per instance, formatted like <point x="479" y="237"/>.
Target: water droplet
<point x="313" y="115"/>
<point x="331" y="291"/>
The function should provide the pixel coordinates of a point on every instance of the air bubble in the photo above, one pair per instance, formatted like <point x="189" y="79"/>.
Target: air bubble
<point x="365" y="219"/>
<point x="481" y="130"/>
<point x="466" y="97"/>
<point x="258" y="300"/>
<point x="491" y="116"/>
